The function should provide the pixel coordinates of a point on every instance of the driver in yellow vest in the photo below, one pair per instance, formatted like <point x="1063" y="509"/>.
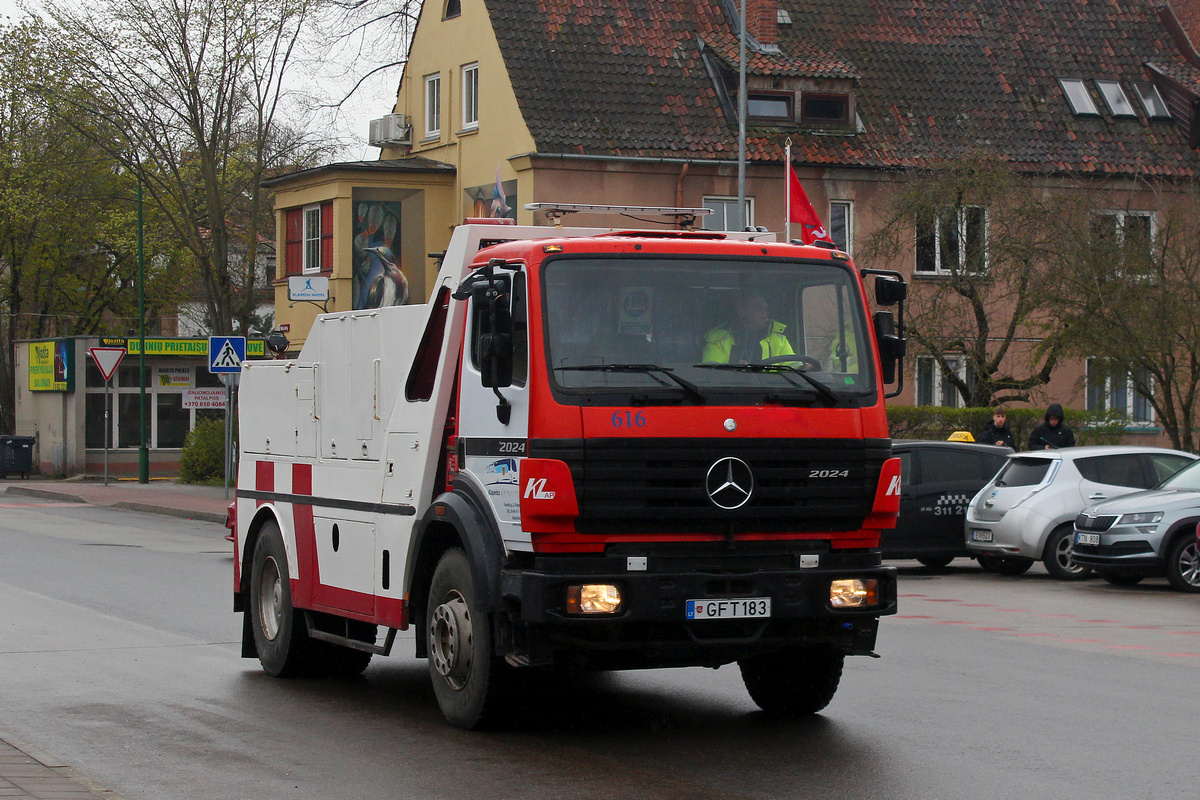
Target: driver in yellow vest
<point x="752" y="337"/>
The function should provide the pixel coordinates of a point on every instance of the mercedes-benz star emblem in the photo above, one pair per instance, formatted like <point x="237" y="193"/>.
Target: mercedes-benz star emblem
<point x="729" y="483"/>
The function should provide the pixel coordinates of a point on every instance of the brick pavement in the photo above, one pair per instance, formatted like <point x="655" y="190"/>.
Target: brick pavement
<point x="28" y="774"/>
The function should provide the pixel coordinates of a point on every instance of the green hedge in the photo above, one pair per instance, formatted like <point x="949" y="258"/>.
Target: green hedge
<point x="931" y="422"/>
<point x="203" y="457"/>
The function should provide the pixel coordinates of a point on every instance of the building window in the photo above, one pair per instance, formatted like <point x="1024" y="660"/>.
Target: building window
<point x="1124" y="240"/>
<point x="1079" y="98"/>
<point x="934" y="384"/>
<point x="433" y="106"/>
<point x="167" y="420"/>
<point x="1151" y="100"/>
<point x="1110" y="388"/>
<point x="954" y="242"/>
<point x="470" y="101"/>
<point x="724" y="216"/>
<point x="769" y="107"/>
<point x="453" y="9"/>
<point x="841" y="228"/>
<point x="312" y="239"/>
<point x="1114" y="97"/>
<point x="824" y="109"/>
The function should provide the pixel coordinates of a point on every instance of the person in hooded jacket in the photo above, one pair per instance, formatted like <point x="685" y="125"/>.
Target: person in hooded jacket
<point x="1053" y="433"/>
<point x="997" y="431"/>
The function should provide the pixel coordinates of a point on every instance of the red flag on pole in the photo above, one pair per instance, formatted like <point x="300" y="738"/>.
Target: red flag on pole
<point x="801" y="211"/>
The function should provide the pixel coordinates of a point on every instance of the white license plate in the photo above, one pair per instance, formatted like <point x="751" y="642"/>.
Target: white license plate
<point x="978" y="535"/>
<point x="737" y="608"/>
<point x="1087" y="538"/>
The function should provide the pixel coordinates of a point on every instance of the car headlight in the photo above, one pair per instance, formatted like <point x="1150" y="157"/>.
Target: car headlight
<point x="1144" y="518"/>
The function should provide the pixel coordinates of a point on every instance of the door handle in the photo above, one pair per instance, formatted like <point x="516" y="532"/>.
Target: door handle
<point x="1097" y="496"/>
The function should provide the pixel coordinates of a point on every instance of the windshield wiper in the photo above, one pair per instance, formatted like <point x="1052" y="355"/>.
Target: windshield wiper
<point x="779" y="369"/>
<point x="650" y="369"/>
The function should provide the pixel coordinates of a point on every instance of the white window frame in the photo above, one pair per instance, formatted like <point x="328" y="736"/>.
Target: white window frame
<point x="433" y="105"/>
<point x="1107" y="396"/>
<point x="722" y="207"/>
<point x="848" y="205"/>
<point x="310" y="247"/>
<point x="1116" y="99"/>
<point x="941" y="389"/>
<point x="962" y="218"/>
<point x="1078" y="97"/>
<point x="470" y="96"/>
<point x="1152" y="102"/>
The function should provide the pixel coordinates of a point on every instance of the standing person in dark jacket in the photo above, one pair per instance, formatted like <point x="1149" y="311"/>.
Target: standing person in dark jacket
<point x="1053" y="433"/>
<point x="997" y="431"/>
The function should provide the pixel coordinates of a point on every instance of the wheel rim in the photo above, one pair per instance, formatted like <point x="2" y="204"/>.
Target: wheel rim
<point x="450" y="640"/>
<point x="1189" y="565"/>
<point x="270" y="599"/>
<point x="1064" y="556"/>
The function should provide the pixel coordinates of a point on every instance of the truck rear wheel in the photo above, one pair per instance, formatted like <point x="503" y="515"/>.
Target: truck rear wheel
<point x="797" y="682"/>
<point x="467" y="677"/>
<point x="280" y="638"/>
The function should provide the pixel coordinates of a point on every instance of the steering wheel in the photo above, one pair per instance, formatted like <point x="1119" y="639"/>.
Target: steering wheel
<point x="787" y="359"/>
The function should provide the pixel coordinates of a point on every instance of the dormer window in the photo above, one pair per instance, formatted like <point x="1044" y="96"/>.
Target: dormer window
<point x="1151" y="100"/>
<point x="453" y="9"/>
<point x="1078" y="96"/>
<point x="769" y="107"/>
<point x="1114" y="97"/>
<point x="824" y="109"/>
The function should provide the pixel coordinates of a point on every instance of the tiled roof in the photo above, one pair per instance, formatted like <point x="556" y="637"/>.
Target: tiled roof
<point x="935" y="78"/>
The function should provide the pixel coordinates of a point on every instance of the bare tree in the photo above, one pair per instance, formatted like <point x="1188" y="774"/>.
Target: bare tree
<point x="367" y="40"/>
<point x="194" y="96"/>
<point x="1129" y="286"/>
<point x="979" y="307"/>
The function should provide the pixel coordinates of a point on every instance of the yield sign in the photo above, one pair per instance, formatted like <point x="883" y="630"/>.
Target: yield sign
<point x="107" y="359"/>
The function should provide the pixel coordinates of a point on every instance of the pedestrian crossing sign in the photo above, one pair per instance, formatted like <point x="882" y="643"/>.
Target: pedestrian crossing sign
<point x="226" y="353"/>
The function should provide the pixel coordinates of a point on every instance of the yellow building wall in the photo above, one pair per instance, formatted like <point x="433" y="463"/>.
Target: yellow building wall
<point x="444" y="46"/>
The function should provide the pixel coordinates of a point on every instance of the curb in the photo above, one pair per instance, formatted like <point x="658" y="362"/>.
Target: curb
<point x="44" y="494"/>
<point x="47" y="783"/>
<point x="67" y="497"/>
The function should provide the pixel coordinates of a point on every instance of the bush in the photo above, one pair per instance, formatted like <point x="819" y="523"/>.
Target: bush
<point x="931" y="422"/>
<point x="203" y="457"/>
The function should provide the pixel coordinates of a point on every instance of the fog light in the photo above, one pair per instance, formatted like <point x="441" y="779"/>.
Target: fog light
<point x="593" y="598"/>
<point x="854" y="593"/>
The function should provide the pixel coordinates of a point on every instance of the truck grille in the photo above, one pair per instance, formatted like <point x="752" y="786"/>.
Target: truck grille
<point x="658" y="485"/>
<point x="1085" y="523"/>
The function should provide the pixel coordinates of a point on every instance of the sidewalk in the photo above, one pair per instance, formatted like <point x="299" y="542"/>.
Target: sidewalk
<point x="27" y="774"/>
<point x="205" y="503"/>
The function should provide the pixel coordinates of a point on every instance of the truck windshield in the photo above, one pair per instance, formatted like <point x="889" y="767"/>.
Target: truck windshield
<point x="696" y="330"/>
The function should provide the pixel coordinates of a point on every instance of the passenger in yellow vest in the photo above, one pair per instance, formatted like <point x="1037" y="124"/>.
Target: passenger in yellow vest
<point x="752" y="337"/>
<point x="837" y="351"/>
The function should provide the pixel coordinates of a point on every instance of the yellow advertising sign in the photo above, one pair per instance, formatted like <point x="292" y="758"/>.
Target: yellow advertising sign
<point x="255" y="348"/>
<point x="51" y="366"/>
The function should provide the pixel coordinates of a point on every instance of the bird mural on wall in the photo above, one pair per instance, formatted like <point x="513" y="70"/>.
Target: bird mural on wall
<point x="386" y="284"/>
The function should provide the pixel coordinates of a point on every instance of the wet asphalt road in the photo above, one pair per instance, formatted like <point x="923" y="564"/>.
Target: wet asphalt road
<point x="119" y="655"/>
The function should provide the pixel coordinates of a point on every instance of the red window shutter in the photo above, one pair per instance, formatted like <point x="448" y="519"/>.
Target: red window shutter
<point x="327" y="235"/>
<point x="293" y="257"/>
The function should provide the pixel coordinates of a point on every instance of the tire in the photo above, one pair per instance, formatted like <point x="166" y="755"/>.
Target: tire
<point x="280" y="636"/>
<point x="1183" y="564"/>
<point x="935" y="563"/>
<point x="468" y="679"/>
<point x="1013" y="566"/>
<point x="988" y="563"/>
<point x="1121" y="578"/>
<point x="798" y="682"/>
<point x="1057" y="556"/>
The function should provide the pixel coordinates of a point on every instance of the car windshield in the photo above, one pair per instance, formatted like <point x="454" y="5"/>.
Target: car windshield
<point x="1023" y="472"/>
<point x="1187" y="479"/>
<point x="690" y="329"/>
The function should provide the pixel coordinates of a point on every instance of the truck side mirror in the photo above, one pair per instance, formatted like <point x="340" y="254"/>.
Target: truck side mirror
<point x="892" y="347"/>
<point x="888" y="292"/>
<point x="493" y="342"/>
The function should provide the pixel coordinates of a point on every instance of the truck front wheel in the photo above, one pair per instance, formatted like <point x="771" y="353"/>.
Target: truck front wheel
<point x="467" y="677"/>
<point x="280" y="638"/>
<point x="796" y="682"/>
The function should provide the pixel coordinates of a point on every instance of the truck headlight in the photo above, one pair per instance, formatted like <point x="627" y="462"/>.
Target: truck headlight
<point x="593" y="598"/>
<point x="854" y="593"/>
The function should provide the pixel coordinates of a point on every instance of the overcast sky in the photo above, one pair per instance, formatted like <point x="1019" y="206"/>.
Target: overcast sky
<point x="372" y="101"/>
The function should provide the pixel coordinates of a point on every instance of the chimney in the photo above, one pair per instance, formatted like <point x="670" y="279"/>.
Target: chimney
<point x="762" y="20"/>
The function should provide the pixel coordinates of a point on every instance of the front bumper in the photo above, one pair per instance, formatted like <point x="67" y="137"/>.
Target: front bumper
<point x="651" y="628"/>
<point x="1120" y="549"/>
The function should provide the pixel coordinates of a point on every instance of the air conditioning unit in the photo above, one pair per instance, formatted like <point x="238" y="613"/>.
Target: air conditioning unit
<point x="391" y="130"/>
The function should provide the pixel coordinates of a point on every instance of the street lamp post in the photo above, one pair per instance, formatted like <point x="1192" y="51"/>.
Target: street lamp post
<point x="143" y="450"/>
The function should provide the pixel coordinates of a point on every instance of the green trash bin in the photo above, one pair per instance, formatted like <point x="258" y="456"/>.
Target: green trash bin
<point x="16" y="455"/>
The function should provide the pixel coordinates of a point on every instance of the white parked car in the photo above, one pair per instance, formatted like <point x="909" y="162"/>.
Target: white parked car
<point x="1027" y="512"/>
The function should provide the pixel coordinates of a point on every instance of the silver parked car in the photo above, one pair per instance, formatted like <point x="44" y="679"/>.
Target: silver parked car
<point x="1145" y="533"/>
<point x="1027" y="512"/>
